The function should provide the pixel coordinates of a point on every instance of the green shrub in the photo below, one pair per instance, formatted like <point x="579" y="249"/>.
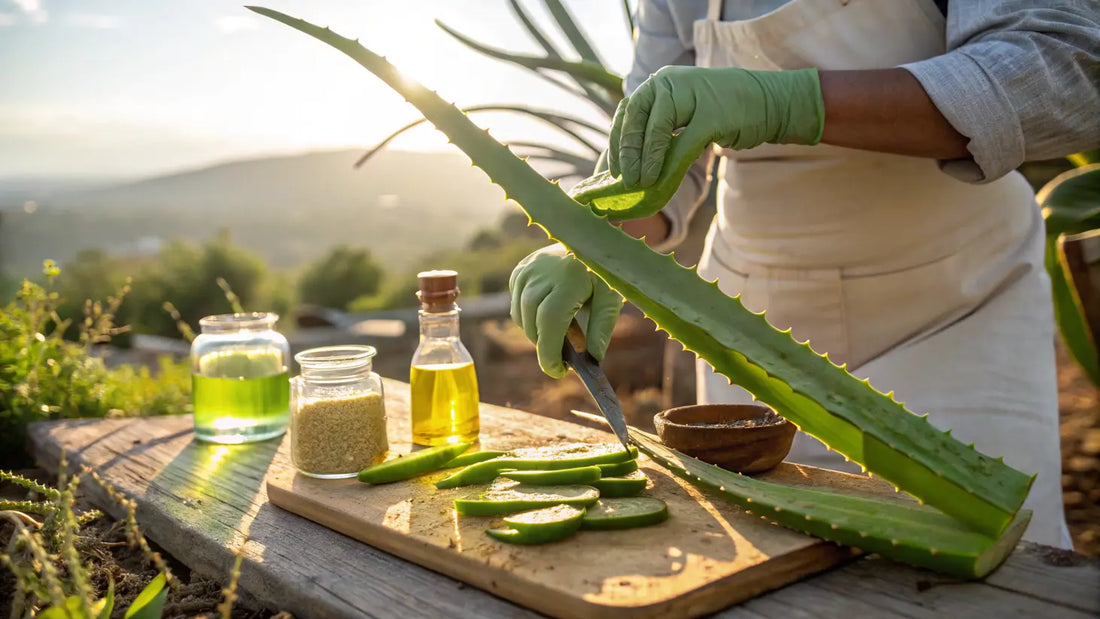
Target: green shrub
<point x="44" y="376"/>
<point x="339" y="278"/>
<point x="187" y="275"/>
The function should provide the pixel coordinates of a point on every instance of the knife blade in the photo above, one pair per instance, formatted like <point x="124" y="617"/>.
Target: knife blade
<point x="576" y="356"/>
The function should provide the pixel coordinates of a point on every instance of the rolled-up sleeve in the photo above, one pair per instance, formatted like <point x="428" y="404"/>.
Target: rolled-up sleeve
<point x="665" y="37"/>
<point x="1020" y="80"/>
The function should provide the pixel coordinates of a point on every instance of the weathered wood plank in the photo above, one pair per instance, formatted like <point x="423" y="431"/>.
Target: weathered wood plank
<point x="293" y="564"/>
<point x="199" y="517"/>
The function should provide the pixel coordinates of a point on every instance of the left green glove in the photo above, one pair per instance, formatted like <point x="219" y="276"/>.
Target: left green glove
<point x="734" y="108"/>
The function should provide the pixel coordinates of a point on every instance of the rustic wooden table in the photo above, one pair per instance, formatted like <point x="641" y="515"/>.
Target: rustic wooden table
<point x="200" y="502"/>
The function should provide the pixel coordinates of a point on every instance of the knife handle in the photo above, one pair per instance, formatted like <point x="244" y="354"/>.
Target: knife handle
<point x="576" y="337"/>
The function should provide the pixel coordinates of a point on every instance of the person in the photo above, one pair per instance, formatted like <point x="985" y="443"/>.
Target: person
<point x="867" y="198"/>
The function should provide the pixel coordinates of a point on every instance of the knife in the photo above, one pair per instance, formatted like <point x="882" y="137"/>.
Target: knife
<point x="575" y="354"/>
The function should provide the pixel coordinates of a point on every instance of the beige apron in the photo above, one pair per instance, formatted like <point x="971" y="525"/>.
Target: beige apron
<point x="926" y="285"/>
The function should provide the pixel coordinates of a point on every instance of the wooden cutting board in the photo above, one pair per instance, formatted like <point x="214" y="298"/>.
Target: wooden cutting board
<point x="708" y="555"/>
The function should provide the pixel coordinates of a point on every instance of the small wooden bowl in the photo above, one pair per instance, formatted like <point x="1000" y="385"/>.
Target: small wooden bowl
<point x="710" y="432"/>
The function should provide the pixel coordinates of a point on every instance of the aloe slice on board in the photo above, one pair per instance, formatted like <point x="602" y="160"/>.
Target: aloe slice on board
<point x="618" y="469"/>
<point x="512" y="497"/>
<point x="472" y="457"/>
<point x="626" y="485"/>
<point x="411" y="465"/>
<point x="530" y="538"/>
<point x="625" y="513"/>
<point x="540" y="459"/>
<point x="579" y="475"/>
<point x="540" y="526"/>
<point x="547" y="519"/>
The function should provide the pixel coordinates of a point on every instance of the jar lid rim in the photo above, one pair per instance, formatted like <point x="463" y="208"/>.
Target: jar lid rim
<point x="335" y="355"/>
<point x="240" y="320"/>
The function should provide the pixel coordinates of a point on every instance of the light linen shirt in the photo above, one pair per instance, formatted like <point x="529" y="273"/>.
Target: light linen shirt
<point x="1020" y="79"/>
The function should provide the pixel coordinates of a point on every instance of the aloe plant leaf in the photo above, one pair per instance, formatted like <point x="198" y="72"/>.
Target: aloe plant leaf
<point x="573" y="32"/>
<point x="1071" y="201"/>
<point x="568" y="125"/>
<point x="1085" y="157"/>
<point x="899" y="530"/>
<point x="583" y="72"/>
<point x="532" y="29"/>
<point x="629" y="18"/>
<point x="1071" y="205"/>
<point x="532" y="150"/>
<point x="605" y="103"/>
<point x="1069" y="312"/>
<point x="820" y="397"/>
<point x="149" y="604"/>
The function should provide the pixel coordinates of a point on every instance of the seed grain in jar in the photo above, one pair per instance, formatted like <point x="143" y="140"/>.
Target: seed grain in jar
<point x="331" y="436"/>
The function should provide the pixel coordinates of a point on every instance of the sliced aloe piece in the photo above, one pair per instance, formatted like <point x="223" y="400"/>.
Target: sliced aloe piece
<point x="579" y="475"/>
<point x="512" y="497"/>
<point x="411" y="465"/>
<point x="540" y="459"/>
<point x="553" y="518"/>
<point x="530" y="538"/>
<point x="625" y="513"/>
<point x="618" y="469"/>
<point x="628" y="485"/>
<point x="472" y="457"/>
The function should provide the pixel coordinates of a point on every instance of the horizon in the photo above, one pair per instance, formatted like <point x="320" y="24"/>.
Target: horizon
<point x="117" y="95"/>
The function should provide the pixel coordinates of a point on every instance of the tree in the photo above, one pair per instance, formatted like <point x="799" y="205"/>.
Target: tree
<point x="342" y="276"/>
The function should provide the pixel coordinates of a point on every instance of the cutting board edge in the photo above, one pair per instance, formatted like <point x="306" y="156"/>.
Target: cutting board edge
<point x="707" y="598"/>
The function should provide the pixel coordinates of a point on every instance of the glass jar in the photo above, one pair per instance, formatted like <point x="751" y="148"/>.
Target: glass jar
<point x="338" y="418"/>
<point x="240" y="386"/>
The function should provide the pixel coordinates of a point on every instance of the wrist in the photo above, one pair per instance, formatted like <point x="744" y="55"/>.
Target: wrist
<point x="654" y="229"/>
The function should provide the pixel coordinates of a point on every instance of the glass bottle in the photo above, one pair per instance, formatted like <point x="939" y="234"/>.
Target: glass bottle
<point x="240" y="387"/>
<point x="338" y="412"/>
<point x="443" y="382"/>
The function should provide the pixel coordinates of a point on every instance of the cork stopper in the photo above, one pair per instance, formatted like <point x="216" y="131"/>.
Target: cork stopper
<point x="438" y="290"/>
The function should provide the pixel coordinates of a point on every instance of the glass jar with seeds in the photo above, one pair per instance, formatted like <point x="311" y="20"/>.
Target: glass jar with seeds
<point x="338" y="413"/>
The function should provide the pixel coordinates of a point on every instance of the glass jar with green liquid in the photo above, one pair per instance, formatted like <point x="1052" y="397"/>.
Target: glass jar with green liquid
<point x="239" y="379"/>
<point x="444" y="398"/>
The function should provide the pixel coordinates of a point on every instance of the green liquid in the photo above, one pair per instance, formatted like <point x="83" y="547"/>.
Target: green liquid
<point x="241" y="410"/>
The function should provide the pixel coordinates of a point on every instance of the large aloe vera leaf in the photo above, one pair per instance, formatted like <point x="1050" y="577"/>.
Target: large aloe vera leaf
<point x="902" y="531"/>
<point x="821" y="398"/>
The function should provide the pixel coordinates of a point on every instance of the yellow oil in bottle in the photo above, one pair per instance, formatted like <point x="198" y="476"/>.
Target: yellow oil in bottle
<point x="444" y="403"/>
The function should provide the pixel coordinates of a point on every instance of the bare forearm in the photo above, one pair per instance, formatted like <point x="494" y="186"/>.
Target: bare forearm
<point x="886" y="110"/>
<point x="654" y="228"/>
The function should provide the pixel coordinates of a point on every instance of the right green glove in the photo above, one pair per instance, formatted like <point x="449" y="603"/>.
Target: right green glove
<point x="549" y="287"/>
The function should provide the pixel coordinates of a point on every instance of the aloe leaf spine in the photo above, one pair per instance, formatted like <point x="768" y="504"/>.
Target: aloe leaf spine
<point x="821" y="398"/>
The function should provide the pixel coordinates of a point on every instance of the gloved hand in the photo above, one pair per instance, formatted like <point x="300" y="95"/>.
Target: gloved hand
<point x="549" y="287"/>
<point x="734" y="108"/>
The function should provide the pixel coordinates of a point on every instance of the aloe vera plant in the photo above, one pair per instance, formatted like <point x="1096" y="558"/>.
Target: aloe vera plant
<point x="821" y="398"/>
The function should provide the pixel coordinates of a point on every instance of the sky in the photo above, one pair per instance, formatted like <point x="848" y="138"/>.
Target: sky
<point x="132" y="88"/>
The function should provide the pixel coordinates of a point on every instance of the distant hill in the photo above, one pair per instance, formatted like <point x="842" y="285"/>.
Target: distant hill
<point x="289" y="209"/>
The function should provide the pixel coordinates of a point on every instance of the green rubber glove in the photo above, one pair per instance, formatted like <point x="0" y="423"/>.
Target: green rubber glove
<point x="733" y="108"/>
<point x="549" y="287"/>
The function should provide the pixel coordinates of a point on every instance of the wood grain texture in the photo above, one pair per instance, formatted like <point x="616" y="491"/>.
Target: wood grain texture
<point x="201" y="501"/>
